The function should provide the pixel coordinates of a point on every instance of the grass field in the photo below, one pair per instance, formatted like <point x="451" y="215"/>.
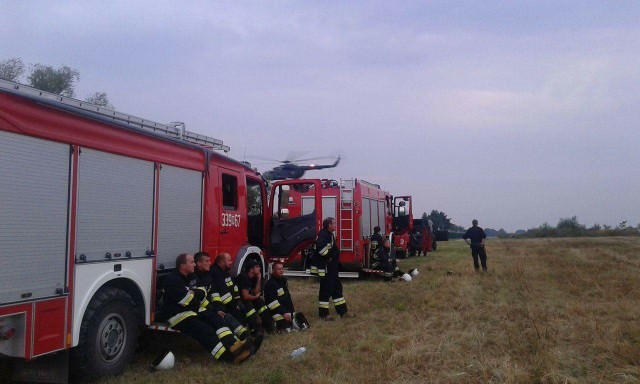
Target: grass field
<point x="548" y="311"/>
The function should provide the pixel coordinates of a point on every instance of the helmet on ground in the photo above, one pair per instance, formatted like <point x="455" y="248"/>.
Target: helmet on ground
<point x="414" y="272"/>
<point x="406" y="277"/>
<point x="164" y="361"/>
<point x="299" y="322"/>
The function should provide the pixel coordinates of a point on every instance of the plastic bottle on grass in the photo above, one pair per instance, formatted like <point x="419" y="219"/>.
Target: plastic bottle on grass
<point x="298" y="352"/>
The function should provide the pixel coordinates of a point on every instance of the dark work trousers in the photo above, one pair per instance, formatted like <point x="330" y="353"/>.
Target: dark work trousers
<point x="206" y="335"/>
<point x="218" y="322"/>
<point x="257" y="308"/>
<point x="247" y="316"/>
<point x="478" y="251"/>
<point x="281" y="323"/>
<point x="331" y="287"/>
<point x="386" y="267"/>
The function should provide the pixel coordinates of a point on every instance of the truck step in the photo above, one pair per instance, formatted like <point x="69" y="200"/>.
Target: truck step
<point x="162" y="327"/>
<point x="294" y="273"/>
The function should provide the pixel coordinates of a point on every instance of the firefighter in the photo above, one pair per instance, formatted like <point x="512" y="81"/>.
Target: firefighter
<point x="250" y="284"/>
<point x="385" y="260"/>
<point x="182" y="300"/>
<point x="229" y="293"/>
<point x="376" y="240"/>
<point x="278" y="298"/>
<point x="212" y="305"/>
<point x="475" y="239"/>
<point x="328" y="256"/>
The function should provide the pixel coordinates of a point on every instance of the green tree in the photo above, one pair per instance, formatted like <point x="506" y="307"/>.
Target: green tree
<point x="61" y="80"/>
<point x="100" y="99"/>
<point x="439" y="219"/>
<point x="11" y="69"/>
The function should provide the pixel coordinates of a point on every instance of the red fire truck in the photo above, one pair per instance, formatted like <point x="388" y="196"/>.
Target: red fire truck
<point x="402" y="225"/>
<point x="358" y="207"/>
<point x="422" y="239"/>
<point x="95" y="205"/>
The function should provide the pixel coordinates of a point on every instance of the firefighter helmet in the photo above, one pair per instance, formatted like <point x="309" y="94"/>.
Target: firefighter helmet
<point x="299" y="322"/>
<point x="164" y="361"/>
<point x="406" y="277"/>
<point x="414" y="272"/>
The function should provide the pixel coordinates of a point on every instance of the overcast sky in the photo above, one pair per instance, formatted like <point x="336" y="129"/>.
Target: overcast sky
<point x="514" y="113"/>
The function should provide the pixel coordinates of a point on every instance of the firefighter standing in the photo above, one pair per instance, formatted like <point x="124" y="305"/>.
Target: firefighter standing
<point x="328" y="262"/>
<point x="475" y="238"/>
<point x="250" y="284"/>
<point x="182" y="300"/>
<point x="278" y="298"/>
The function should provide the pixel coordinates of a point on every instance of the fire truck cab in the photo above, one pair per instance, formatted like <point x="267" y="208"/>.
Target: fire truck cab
<point x="402" y="224"/>
<point x="421" y="240"/>
<point x="95" y="205"/>
<point x="358" y="207"/>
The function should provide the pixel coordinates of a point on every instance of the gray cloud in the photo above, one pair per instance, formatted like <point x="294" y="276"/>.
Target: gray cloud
<point x="511" y="113"/>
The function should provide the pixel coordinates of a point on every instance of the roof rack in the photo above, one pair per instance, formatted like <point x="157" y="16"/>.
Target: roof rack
<point x="373" y="185"/>
<point x="175" y="130"/>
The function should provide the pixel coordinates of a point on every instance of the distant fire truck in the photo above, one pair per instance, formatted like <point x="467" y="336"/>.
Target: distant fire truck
<point x="422" y="238"/>
<point x="95" y="205"/>
<point x="358" y="207"/>
<point x="402" y="225"/>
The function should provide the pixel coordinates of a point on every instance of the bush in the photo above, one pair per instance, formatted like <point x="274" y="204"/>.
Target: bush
<point x="570" y="227"/>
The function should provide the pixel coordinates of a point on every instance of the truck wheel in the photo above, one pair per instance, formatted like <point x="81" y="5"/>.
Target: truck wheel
<point x="108" y="334"/>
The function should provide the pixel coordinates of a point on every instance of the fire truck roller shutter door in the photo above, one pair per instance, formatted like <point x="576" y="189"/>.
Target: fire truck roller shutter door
<point x="115" y="206"/>
<point x="179" y="214"/>
<point x="381" y="216"/>
<point x="374" y="215"/>
<point x="34" y="193"/>
<point x="366" y="228"/>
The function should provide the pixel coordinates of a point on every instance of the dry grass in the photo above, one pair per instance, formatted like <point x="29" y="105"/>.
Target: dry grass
<point x="549" y="311"/>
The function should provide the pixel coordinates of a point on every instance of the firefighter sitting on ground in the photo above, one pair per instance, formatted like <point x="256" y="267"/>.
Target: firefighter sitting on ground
<point x="211" y="309"/>
<point x="250" y="284"/>
<point x="181" y="301"/>
<point x="229" y="294"/>
<point x="278" y="298"/>
<point x="384" y="259"/>
<point x="376" y="240"/>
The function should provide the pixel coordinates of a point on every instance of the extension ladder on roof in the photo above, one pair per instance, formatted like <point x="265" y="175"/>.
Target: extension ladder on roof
<point x="346" y="214"/>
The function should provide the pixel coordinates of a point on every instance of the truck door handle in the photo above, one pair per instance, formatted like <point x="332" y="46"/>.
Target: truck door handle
<point x="224" y="231"/>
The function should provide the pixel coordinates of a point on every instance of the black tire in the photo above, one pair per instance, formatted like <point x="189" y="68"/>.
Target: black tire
<point x="108" y="335"/>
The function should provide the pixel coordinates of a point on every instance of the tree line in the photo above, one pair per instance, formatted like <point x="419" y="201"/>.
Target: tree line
<point x="571" y="227"/>
<point x="61" y="80"/>
<point x="566" y="227"/>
